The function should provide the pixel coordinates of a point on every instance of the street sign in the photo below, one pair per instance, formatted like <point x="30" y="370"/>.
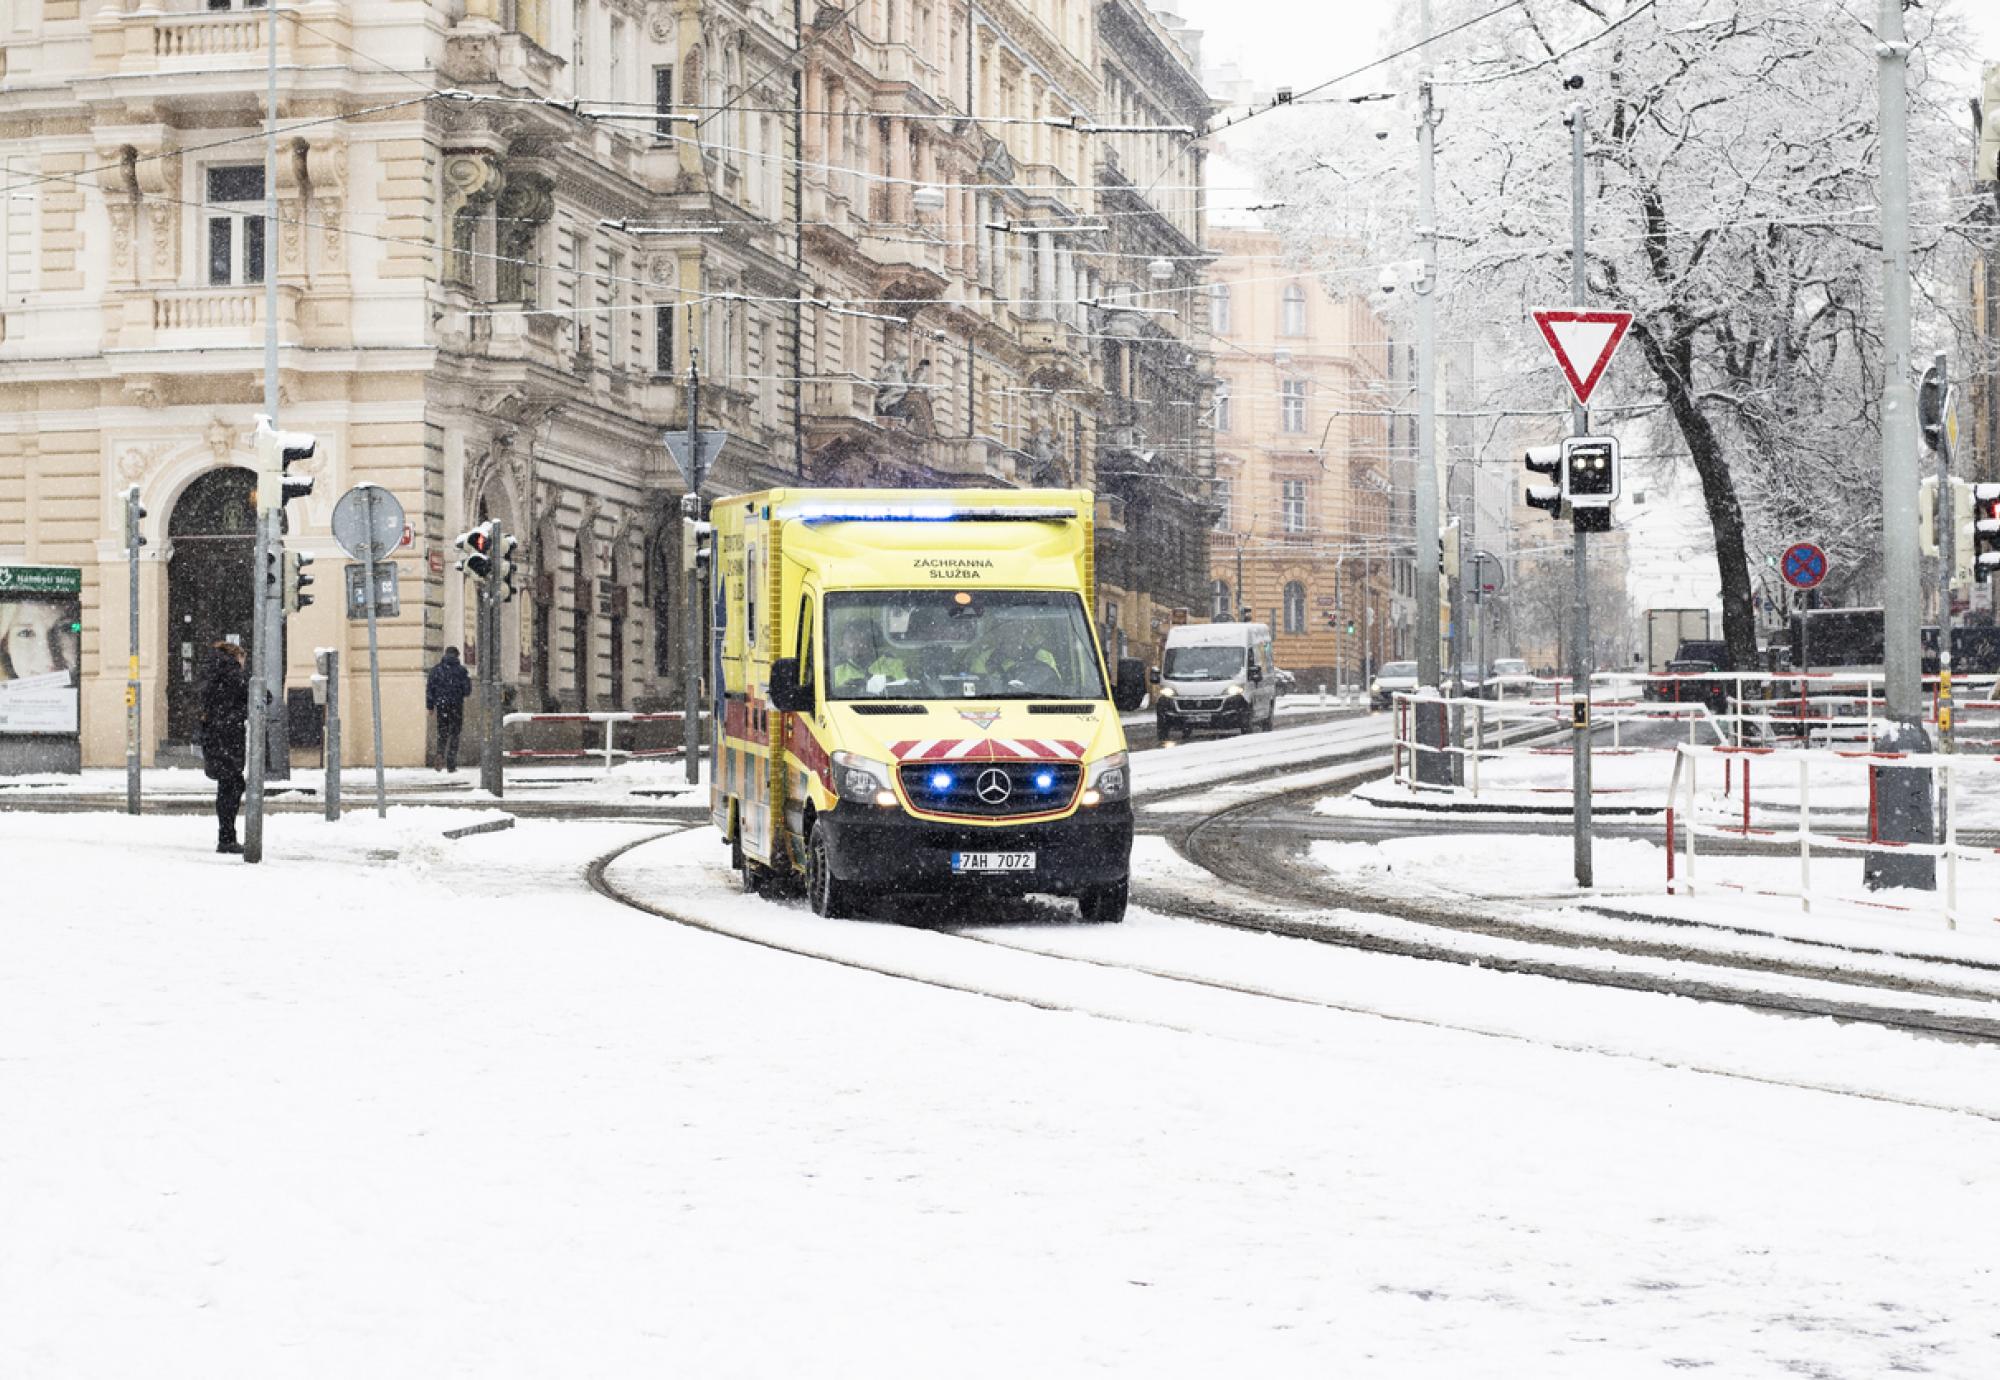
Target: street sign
<point x="1803" y="565"/>
<point x="711" y="446"/>
<point x="1583" y="343"/>
<point x="388" y="597"/>
<point x="358" y="537"/>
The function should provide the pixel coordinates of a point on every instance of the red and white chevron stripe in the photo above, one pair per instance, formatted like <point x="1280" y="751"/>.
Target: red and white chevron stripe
<point x="987" y="750"/>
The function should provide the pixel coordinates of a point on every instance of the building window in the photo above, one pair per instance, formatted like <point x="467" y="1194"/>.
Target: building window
<point x="1219" y="601"/>
<point x="1218" y="308"/>
<point x="1295" y="607"/>
<point x="235" y="236"/>
<point x="1222" y="417"/>
<point x="1292" y="318"/>
<point x="663" y="101"/>
<point x="1225" y="501"/>
<point x="614" y="318"/>
<point x="663" y="338"/>
<point x="1292" y="406"/>
<point x="1292" y="505"/>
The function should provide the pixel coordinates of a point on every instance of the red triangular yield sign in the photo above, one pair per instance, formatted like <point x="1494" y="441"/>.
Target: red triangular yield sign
<point x="1583" y="342"/>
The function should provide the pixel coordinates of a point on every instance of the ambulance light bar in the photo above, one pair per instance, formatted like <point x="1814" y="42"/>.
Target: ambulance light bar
<point x="926" y="512"/>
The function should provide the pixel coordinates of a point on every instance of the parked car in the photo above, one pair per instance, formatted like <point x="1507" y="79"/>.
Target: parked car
<point x="1510" y="677"/>
<point x="1393" y="678"/>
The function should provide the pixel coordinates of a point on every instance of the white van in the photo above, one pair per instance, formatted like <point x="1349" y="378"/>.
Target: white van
<point x="1216" y="677"/>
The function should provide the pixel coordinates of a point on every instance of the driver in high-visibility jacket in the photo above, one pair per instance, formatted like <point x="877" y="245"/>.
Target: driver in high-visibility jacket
<point x="1012" y="654"/>
<point x="855" y="659"/>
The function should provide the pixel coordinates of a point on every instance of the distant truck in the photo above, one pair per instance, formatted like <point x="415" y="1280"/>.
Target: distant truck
<point x="1666" y="630"/>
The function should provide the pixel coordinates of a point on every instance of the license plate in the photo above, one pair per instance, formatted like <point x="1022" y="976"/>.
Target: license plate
<point x="1200" y="716"/>
<point x="993" y="862"/>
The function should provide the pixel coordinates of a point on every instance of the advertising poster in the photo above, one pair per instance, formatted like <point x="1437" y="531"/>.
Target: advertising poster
<point x="41" y="649"/>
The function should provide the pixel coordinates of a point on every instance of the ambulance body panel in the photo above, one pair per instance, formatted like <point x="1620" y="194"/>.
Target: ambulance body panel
<point x="913" y="697"/>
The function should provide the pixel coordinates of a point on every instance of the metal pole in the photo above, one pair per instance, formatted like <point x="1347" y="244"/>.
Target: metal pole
<point x="268" y="492"/>
<point x="374" y="652"/>
<point x="1433" y="767"/>
<point x="332" y="733"/>
<point x="1904" y="794"/>
<point x="492" y="765"/>
<point x="132" y="661"/>
<point x="1947" y="551"/>
<point x="1580" y="659"/>
<point x="691" y="505"/>
<point x="277" y="747"/>
<point x="253" y="728"/>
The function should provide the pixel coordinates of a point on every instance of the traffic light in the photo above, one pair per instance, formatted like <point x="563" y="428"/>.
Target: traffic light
<point x="478" y="548"/>
<point x="1927" y="513"/>
<point x="1350" y="627"/>
<point x="1545" y="460"/>
<point x="1986" y="159"/>
<point x="1933" y="399"/>
<point x="1332" y="623"/>
<point x="1591" y="471"/>
<point x="1448" y="550"/>
<point x="1985" y="530"/>
<point x="503" y="565"/>
<point x="133" y="513"/>
<point x="296" y="581"/>
<point x="272" y="573"/>
<point x="277" y="452"/>
<point x="694" y="542"/>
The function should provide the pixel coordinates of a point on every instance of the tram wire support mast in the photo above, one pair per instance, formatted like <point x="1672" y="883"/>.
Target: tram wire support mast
<point x="276" y="452"/>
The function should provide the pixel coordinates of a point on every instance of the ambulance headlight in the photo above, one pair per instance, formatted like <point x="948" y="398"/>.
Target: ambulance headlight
<point x="862" y="780"/>
<point x="1110" y="779"/>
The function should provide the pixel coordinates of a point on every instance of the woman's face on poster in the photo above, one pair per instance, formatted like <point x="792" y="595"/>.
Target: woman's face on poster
<point x="36" y="637"/>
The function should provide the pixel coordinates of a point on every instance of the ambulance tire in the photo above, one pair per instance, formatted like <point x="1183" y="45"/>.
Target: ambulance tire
<point x="749" y="876"/>
<point x="1105" y="905"/>
<point x="831" y="898"/>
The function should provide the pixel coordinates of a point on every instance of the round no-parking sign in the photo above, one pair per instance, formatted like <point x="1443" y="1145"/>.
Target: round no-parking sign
<point x="1803" y="565"/>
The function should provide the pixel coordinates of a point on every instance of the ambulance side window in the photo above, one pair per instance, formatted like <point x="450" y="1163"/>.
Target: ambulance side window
<point x="807" y="666"/>
<point x="752" y="583"/>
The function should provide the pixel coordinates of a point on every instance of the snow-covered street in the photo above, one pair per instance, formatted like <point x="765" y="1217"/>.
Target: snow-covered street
<point x="390" y="1105"/>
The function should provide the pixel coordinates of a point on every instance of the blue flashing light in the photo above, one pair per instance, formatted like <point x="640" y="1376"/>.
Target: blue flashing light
<point x="1045" y="780"/>
<point x="940" y="780"/>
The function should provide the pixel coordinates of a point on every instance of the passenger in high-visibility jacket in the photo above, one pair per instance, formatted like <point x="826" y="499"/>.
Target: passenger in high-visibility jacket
<point x="856" y="661"/>
<point x="1012" y="656"/>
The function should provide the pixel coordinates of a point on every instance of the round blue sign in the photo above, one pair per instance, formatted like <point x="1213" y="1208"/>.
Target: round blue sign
<point x="1803" y="565"/>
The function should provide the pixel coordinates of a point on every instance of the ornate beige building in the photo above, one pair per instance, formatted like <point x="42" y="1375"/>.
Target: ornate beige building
<point x="506" y="228"/>
<point x="1302" y="462"/>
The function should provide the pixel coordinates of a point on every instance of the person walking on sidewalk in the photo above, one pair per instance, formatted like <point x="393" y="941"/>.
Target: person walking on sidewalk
<point x="225" y="710"/>
<point x="444" y="695"/>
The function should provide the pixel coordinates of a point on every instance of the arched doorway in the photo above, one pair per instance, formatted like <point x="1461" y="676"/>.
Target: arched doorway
<point x="212" y="534"/>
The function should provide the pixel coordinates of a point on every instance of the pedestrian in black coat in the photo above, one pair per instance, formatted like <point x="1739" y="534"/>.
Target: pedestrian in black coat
<point x="225" y="709"/>
<point x="444" y="695"/>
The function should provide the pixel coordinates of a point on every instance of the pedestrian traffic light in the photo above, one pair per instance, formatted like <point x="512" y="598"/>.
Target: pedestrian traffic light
<point x="1448" y="550"/>
<point x="1545" y="460"/>
<point x="1332" y="624"/>
<point x="1350" y="627"/>
<point x="477" y="545"/>
<point x="1932" y="401"/>
<point x="296" y="581"/>
<point x="277" y="452"/>
<point x="1985" y="531"/>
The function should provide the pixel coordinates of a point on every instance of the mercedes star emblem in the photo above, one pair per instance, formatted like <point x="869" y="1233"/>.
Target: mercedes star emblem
<point x="994" y="787"/>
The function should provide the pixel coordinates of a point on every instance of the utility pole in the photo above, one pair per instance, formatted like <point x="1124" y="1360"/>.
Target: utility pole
<point x="133" y="541"/>
<point x="1937" y="384"/>
<point x="691" y="509"/>
<point x="1903" y="795"/>
<point x="1580" y="659"/>
<point x="1432" y="767"/>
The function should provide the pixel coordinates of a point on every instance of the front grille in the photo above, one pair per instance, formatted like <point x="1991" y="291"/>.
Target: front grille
<point x="1197" y="706"/>
<point x="960" y="795"/>
<point x="889" y="709"/>
<point x="1087" y="710"/>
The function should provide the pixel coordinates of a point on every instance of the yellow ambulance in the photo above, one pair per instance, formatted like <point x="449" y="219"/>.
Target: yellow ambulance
<point x="913" y="699"/>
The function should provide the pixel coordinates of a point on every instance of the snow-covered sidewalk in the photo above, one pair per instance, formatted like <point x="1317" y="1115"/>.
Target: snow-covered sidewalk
<point x="392" y="1106"/>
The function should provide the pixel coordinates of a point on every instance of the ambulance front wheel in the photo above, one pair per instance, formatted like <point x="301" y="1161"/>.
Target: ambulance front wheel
<point x="830" y="897"/>
<point x="1105" y="905"/>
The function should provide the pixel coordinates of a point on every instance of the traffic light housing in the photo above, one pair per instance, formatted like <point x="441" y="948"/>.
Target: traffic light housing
<point x="1545" y="460"/>
<point x="272" y="573"/>
<point x="1985" y="543"/>
<point x="1927" y="514"/>
<point x="134" y="512"/>
<point x="1932" y="397"/>
<point x="503" y="564"/>
<point x="1591" y="472"/>
<point x="694" y="542"/>
<point x="277" y="452"/>
<point x="478" y="546"/>
<point x="1448" y="550"/>
<point x="1986" y="158"/>
<point x="296" y="580"/>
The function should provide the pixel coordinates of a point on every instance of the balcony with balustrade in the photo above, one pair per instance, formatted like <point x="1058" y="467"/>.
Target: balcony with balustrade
<point x="160" y="319"/>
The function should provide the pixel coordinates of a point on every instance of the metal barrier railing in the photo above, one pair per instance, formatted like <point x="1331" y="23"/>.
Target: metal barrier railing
<point x="610" y="719"/>
<point x="1684" y="802"/>
<point x="1480" y="715"/>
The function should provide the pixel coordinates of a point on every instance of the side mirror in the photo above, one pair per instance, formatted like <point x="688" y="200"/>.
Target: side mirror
<point x="787" y="695"/>
<point x="1130" y="690"/>
<point x="1256" y="671"/>
<point x="1153" y="675"/>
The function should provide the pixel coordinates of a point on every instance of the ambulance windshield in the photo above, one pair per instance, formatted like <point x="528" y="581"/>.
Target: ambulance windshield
<point x="960" y="644"/>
